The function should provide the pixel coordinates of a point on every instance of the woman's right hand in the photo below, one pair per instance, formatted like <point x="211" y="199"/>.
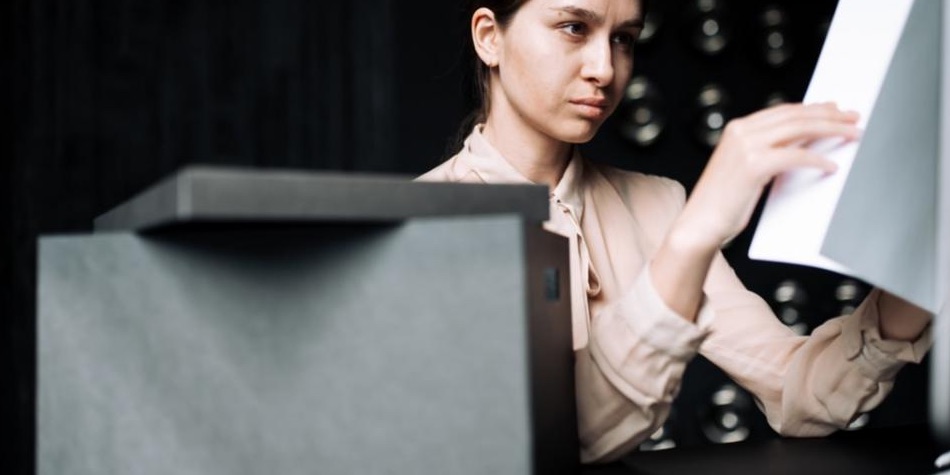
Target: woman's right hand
<point x="752" y="151"/>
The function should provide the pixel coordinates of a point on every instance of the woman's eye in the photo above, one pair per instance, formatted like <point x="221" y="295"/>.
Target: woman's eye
<point x="624" y="39"/>
<point x="575" y="29"/>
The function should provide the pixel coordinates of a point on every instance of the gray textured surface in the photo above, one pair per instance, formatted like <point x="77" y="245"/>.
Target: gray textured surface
<point x="201" y="194"/>
<point x="884" y="227"/>
<point x="940" y="356"/>
<point x="334" y="350"/>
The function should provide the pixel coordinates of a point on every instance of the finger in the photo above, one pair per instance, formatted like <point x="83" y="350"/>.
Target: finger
<point x="817" y="109"/>
<point x="803" y="132"/>
<point x="790" y="112"/>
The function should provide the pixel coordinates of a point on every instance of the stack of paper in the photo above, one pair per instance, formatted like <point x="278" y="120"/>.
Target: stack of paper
<point x="875" y="219"/>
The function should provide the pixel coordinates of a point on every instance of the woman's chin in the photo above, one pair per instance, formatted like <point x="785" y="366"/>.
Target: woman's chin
<point x="579" y="133"/>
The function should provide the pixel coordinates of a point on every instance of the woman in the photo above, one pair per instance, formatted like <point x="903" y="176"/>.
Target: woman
<point x="650" y="288"/>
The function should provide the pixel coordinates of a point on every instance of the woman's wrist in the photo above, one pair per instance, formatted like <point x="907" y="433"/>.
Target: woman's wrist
<point x="688" y="237"/>
<point x="900" y="320"/>
<point x="679" y="269"/>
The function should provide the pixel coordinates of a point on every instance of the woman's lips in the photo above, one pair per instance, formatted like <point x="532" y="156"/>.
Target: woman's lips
<point x="591" y="107"/>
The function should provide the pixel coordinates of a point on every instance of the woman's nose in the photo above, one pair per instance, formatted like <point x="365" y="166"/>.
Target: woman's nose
<point x="598" y="63"/>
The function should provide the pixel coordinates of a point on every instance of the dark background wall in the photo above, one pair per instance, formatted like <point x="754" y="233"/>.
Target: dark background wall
<point x="105" y="97"/>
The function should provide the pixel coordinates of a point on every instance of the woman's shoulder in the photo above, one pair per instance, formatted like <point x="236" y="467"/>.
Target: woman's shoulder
<point x="441" y="172"/>
<point x="637" y="187"/>
<point x="451" y="170"/>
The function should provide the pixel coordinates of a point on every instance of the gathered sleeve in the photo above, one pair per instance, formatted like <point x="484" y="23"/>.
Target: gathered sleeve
<point x="629" y="374"/>
<point x="807" y="386"/>
<point x="631" y="370"/>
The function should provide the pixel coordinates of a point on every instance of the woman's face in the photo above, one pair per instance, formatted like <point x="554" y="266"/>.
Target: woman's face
<point x="563" y="64"/>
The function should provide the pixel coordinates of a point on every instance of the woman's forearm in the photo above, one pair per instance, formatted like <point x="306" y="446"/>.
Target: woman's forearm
<point x="679" y="269"/>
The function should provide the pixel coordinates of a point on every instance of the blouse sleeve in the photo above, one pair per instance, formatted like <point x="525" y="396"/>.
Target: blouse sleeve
<point x="631" y="371"/>
<point x="632" y="368"/>
<point x="807" y="386"/>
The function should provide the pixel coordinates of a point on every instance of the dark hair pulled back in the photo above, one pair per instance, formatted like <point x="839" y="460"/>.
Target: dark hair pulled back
<point x="477" y="82"/>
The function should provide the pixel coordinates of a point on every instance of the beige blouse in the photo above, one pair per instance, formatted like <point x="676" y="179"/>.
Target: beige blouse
<point x="631" y="349"/>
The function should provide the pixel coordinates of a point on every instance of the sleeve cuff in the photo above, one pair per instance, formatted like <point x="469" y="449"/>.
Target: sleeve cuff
<point x="884" y="357"/>
<point x="658" y="325"/>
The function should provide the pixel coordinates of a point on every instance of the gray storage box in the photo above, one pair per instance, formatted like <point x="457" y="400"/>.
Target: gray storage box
<point x="331" y="346"/>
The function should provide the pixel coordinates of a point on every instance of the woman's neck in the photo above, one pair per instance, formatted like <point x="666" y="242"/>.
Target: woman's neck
<point x="538" y="157"/>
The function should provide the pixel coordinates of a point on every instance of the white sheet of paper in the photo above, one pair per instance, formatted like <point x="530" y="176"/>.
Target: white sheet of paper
<point x="854" y="60"/>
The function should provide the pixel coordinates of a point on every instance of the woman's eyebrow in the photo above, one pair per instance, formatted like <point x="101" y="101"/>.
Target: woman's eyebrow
<point x="594" y="17"/>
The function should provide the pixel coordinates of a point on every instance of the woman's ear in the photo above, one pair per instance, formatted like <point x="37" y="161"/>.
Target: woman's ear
<point x="486" y="36"/>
